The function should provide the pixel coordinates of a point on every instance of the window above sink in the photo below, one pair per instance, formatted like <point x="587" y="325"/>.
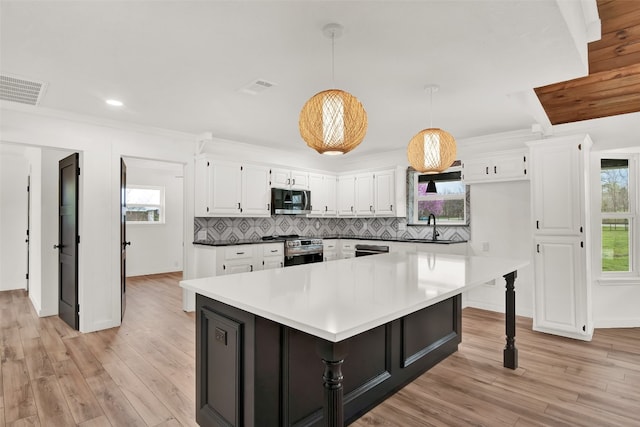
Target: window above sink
<point x="450" y="203"/>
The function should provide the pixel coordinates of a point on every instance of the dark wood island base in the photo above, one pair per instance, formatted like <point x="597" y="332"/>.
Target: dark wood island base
<point x="254" y="372"/>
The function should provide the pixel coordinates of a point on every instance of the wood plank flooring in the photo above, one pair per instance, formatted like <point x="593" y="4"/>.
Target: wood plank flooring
<point x="142" y="373"/>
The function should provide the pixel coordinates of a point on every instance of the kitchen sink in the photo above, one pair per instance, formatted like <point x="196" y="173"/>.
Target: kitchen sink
<point x="439" y="241"/>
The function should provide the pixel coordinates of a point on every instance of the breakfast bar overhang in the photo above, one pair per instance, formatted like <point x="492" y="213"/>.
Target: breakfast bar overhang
<point x="321" y="344"/>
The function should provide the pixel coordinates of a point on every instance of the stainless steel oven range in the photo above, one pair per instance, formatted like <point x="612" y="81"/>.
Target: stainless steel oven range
<point x="299" y="250"/>
<point x="302" y="250"/>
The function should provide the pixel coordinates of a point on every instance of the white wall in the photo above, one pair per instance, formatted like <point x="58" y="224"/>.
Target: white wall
<point x="101" y="144"/>
<point x="501" y="222"/>
<point x="13" y="217"/>
<point x="157" y="248"/>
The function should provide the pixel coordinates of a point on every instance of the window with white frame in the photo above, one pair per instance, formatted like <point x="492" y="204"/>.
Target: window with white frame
<point x="447" y="203"/>
<point x="619" y="215"/>
<point x="145" y="204"/>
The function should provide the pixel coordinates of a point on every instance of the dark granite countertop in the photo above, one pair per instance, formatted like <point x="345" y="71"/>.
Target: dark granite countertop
<point x="381" y="239"/>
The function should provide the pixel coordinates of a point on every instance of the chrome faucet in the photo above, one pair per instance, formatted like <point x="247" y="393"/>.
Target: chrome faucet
<point x="435" y="233"/>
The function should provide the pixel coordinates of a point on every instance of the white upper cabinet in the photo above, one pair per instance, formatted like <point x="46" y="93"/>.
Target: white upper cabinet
<point x="226" y="186"/>
<point x="558" y="189"/>
<point x="346" y="195"/>
<point x="256" y="194"/>
<point x="367" y="194"/>
<point x="497" y="167"/>
<point x="364" y="201"/>
<point x="231" y="189"/>
<point x="385" y="193"/>
<point x="286" y="178"/>
<point x="323" y="194"/>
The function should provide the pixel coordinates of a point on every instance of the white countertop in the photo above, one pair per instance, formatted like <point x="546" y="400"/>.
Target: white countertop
<point x="336" y="300"/>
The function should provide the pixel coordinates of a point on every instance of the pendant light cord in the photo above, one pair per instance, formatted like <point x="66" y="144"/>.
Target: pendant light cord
<point x="431" y="108"/>
<point x="333" y="59"/>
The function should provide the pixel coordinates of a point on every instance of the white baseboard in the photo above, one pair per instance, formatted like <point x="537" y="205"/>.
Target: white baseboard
<point x="617" y="323"/>
<point x="524" y="312"/>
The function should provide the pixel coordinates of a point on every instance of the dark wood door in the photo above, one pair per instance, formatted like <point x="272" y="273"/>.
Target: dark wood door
<point x="68" y="240"/>
<point x="123" y="237"/>
<point x="28" y="225"/>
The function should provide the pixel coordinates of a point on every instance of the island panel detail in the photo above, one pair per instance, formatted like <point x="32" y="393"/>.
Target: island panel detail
<point x="256" y="372"/>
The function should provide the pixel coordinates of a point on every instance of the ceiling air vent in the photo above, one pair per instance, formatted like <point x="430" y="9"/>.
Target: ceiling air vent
<point x="23" y="91"/>
<point x="257" y="86"/>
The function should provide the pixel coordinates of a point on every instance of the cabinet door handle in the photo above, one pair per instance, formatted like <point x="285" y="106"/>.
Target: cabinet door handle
<point x="273" y="251"/>
<point x="486" y="170"/>
<point x="390" y="207"/>
<point x="326" y="208"/>
<point x="251" y="267"/>
<point x="288" y="181"/>
<point x="268" y="206"/>
<point x="538" y="225"/>
<point x="238" y="205"/>
<point x="351" y="208"/>
<point x="538" y="248"/>
<point x="281" y="264"/>
<point x="370" y="208"/>
<point x="239" y="253"/>
<point x="294" y="182"/>
<point x="495" y="169"/>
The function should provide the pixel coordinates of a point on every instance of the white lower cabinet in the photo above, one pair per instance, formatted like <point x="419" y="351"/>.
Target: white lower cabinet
<point x="347" y="249"/>
<point x="560" y="289"/>
<point x="272" y="256"/>
<point x="236" y="259"/>
<point x="329" y="249"/>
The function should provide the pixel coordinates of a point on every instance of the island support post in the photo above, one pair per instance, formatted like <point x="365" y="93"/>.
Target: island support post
<point x="333" y="355"/>
<point x="510" y="354"/>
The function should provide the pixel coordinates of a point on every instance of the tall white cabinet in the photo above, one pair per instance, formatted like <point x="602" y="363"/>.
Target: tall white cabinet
<point x="560" y="215"/>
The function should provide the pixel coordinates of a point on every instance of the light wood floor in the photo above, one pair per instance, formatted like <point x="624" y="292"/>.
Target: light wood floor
<point x="143" y="372"/>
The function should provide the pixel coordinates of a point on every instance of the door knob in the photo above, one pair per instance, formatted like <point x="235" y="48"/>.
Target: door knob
<point x="58" y="246"/>
<point x="126" y="243"/>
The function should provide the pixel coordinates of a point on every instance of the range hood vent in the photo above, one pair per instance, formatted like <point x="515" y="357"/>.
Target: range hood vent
<point x="21" y="90"/>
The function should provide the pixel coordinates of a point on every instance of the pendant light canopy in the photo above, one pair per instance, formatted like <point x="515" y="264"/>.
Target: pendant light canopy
<point x="431" y="150"/>
<point x="333" y="121"/>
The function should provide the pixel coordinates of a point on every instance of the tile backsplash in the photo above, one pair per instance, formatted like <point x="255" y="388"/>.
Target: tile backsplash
<point x="235" y="229"/>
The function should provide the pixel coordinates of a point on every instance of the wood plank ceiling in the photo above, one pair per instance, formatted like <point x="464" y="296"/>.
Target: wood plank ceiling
<point x="613" y="84"/>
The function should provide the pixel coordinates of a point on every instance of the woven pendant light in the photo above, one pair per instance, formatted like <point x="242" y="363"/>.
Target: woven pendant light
<point x="431" y="150"/>
<point x="333" y="121"/>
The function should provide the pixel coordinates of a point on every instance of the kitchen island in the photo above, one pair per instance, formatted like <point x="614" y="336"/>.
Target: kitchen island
<point x="321" y="344"/>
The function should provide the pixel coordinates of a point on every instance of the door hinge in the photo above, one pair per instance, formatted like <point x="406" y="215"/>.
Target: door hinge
<point x="26" y="276"/>
<point x="584" y="328"/>
<point x="78" y="309"/>
<point x="28" y="188"/>
<point x="27" y="232"/>
<point x="78" y="171"/>
<point x="78" y="240"/>
<point x="579" y="146"/>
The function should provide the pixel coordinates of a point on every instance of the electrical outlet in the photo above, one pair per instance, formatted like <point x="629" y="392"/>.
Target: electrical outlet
<point x="485" y="246"/>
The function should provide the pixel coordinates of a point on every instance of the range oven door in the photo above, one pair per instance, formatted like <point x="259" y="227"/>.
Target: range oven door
<point x="302" y="259"/>
<point x="364" y="250"/>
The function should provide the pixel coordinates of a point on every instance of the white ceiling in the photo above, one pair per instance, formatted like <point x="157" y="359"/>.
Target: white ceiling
<point x="179" y="64"/>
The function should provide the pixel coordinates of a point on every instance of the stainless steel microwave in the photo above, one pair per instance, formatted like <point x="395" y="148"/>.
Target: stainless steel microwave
<point x="290" y="202"/>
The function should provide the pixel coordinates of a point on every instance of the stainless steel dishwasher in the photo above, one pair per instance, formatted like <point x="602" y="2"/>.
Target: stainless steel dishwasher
<point x="364" y="250"/>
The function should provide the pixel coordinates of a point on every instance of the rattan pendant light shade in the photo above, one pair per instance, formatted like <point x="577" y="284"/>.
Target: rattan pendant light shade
<point x="431" y="150"/>
<point x="333" y="122"/>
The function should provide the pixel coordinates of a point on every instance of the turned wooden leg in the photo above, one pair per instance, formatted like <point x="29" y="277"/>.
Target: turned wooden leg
<point x="510" y="354"/>
<point x="333" y="355"/>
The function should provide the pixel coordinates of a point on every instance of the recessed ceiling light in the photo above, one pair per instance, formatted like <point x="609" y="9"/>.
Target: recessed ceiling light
<point x="114" y="102"/>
